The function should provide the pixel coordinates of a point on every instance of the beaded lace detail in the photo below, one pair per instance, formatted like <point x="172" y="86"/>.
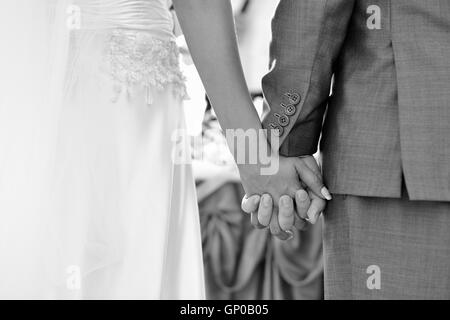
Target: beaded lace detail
<point x="137" y="58"/>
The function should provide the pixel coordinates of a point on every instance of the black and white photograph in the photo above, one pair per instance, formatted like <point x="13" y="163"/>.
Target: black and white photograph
<point x="224" y="150"/>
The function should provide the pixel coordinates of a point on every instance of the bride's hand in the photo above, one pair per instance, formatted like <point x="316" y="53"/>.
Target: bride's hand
<point x="221" y="71"/>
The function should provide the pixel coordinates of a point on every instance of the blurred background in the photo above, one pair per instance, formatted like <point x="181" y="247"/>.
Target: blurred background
<point x="241" y="262"/>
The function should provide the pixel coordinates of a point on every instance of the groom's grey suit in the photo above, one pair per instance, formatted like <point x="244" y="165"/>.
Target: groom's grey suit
<point x="386" y="133"/>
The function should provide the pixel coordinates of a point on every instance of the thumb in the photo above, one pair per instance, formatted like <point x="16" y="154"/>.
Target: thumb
<point x="312" y="179"/>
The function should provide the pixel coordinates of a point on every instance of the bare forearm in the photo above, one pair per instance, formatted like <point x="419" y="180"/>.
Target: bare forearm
<point x="209" y="30"/>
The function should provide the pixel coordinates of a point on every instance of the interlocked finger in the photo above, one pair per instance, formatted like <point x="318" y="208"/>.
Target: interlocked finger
<point x="286" y="213"/>
<point x="265" y="210"/>
<point x="275" y="228"/>
<point x="255" y="222"/>
<point x="302" y="203"/>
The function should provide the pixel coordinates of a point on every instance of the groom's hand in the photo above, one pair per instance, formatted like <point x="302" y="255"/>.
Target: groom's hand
<point x="277" y="209"/>
<point x="308" y="208"/>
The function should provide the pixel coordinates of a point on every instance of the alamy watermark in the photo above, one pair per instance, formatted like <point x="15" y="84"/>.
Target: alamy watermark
<point x="249" y="147"/>
<point x="73" y="279"/>
<point x="73" y="21"/>
<point x="374" y="280"/>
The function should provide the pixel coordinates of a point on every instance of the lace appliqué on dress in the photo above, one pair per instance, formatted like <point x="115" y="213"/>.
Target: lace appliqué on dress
<point x="136" y="57"/>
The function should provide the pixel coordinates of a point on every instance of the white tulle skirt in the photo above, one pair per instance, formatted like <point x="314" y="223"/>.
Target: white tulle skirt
<point x="92" y="205"/>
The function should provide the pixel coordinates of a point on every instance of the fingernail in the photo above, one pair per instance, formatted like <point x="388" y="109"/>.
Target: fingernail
<point x="326" y="193"/>
<point x="285" y="201"/>
<point x="302" y="196"/>
<point x="313" y="218"/>
<point x="266" y="201"/>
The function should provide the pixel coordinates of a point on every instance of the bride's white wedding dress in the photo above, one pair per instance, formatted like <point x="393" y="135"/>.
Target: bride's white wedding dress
<point x="92" y="204"/>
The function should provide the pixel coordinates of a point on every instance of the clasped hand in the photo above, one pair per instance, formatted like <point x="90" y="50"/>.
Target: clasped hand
<point x="294" y="196"/>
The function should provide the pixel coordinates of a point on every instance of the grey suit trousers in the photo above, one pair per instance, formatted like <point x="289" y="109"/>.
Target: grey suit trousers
<point x="384" y="248"/>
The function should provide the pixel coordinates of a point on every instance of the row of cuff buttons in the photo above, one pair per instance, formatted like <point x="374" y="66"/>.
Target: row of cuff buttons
<point x="289" y="102"/>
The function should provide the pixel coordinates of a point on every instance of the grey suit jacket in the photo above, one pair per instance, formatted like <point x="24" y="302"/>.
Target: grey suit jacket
<point x="388" y="115"/>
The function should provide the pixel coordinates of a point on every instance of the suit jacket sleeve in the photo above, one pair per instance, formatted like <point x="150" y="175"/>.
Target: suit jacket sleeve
<point x="306" y="39"/>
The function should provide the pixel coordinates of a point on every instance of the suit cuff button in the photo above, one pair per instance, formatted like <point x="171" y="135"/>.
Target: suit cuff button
<point x="282" y="119"/>
<point x="291" y="98"/>
<point x="276" y="130"/>
<point x="289" y="110"/>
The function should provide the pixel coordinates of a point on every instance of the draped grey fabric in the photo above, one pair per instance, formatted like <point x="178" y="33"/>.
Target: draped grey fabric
<point x="244" y="263"/>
